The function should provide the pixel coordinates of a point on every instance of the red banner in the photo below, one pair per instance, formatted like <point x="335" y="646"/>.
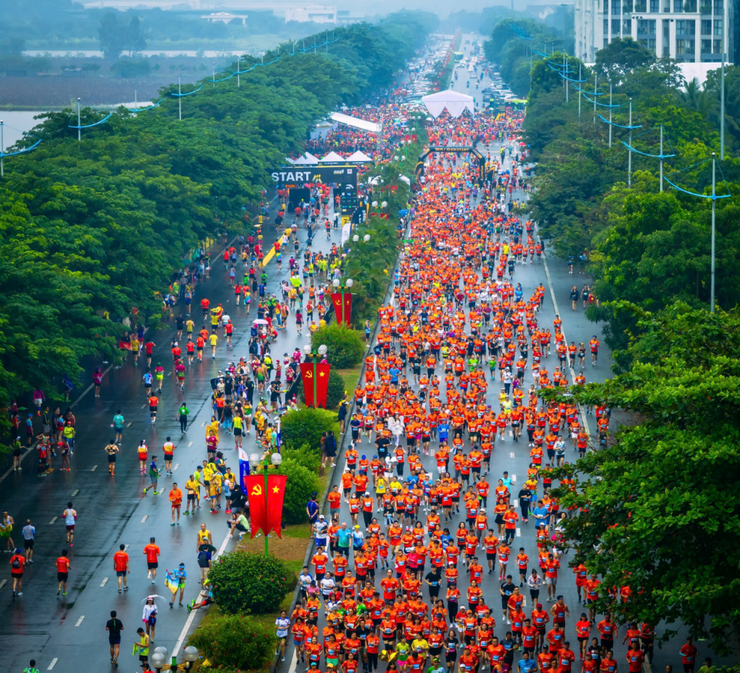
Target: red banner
<point x="308" y="382"/>
<point x="322" y="383"/>
<point x="275" y="496"/>
<point x="348" y="308"/>
<point x="255" y="485"/>
<point x="336" y="300"/>
<point x="414" y="137"/>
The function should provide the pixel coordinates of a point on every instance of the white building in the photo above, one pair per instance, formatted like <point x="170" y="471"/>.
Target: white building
<point x="690" y="31"/>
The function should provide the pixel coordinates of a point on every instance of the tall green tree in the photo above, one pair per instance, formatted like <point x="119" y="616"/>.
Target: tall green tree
<point x="654" y="511"/>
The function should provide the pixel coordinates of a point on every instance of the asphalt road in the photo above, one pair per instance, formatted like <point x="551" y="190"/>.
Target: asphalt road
<point x="67" y="634"/>
<point x="514" y="457"/>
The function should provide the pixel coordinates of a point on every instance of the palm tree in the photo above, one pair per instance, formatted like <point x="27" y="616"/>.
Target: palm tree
<point x="697" y="98"/>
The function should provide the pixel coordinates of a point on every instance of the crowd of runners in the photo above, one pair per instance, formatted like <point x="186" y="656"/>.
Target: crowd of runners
<point x="420" y="563"/>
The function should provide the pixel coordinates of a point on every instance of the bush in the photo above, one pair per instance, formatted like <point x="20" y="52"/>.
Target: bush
<point x="345" y="345"/>
<point x="234" y="641"/>
<point x="306" y="426"/>
<point x="301" y="484"/>
<point x="308" y="456"/>
<point x="244" y="583"/>
<point x="335" y="391"/>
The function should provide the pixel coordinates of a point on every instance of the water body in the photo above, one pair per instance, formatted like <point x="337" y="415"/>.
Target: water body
<point x="16" y="123"/>
<point x="94" y="53"/>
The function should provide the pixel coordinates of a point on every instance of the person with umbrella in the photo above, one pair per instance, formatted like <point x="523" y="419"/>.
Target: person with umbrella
<point x="149" y="615"/>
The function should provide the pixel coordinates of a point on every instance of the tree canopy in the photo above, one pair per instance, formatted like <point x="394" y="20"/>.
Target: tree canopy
<point x="95" y="228"/>
<point x="651" y="510"/>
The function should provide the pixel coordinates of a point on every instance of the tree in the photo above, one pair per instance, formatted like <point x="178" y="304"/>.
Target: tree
<point x="620" y="57"/>
<point x="111" y="35"/>
<point x="135" y="40"/>
<point x="345" y="345"/>
<point x="665" y="527"/>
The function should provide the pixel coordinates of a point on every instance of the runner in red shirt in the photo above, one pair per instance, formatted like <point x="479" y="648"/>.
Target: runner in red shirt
<point x="63" y="566"/>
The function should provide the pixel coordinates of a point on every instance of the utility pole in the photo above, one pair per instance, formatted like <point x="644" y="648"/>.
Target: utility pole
<point x="179" y="98"/>
<point x="79" y="123"/>
<point x="2" y="149"/>
<point x="580" y="77"/>
<point x="596" y="83"/>
<point x="722" y="115"/>
<point x="714" y="203"/>
<point x="661" y="157"/>
<point x="214" y="74"/>
<point x="629" y="149"/>
<point x="238" y="71"/>
<point x="565" y="78"/>
<point x="610" y="115"/>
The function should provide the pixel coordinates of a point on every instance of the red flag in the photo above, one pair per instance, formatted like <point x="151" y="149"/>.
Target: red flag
<point x="348" y="308"/>
<point x="322" y="383"/>
<point x="275" y="496"/>
<point x="414" y="137"/>
<point x="255" y="485"/>
<point x="336" y="300"/>
<point x="308" y="382"/>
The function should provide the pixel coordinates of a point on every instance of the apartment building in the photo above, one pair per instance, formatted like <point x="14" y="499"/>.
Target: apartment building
<point x="690" y="31"/>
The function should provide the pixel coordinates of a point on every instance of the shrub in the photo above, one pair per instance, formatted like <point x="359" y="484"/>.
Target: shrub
<point x="345" y="345"/>
<point x="306" y="455"/>
<point x="335" y="391"/>
<point x="234" y="641"/>
<point x="249" y="582"/>
<point x="305" y="426"/>
<point x="301" y="484"/>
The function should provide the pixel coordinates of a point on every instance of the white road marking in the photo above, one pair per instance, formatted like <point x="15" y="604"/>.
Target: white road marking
<point x="176" y="466"/>
<point x="52" y="663"/>
<point x="518" y="532"/>
<point x="79" y="621"/>
<point x="191" y="616"/>
<point x="104" y="582"/>
<point x="516" y="502"/>
<point x="125" y="548"/>
<point x="511" y="455"/>
<point x="75" y="492"/>
<point x="144" y="518"/>
<point x="53" y="520"/>
<point x="129" y="424"/>
<point x="3" y="583"/>
<point x="203" y="424"/>
<point x="513" y="478"/>
<point x="189" y="445"/>
<point x="93" y="468"/>
<point x="143" y="405"/>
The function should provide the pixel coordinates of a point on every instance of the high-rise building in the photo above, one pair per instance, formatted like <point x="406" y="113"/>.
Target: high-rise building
<point x="690" y="31"/>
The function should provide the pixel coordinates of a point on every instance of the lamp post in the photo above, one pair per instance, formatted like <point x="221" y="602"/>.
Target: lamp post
<point x="314" y="359"/>
<point x="254" y="463"/>
<point x="343" y="288"/>
<point x="190" y="654"/>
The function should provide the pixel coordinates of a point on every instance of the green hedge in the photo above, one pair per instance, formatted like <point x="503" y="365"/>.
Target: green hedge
<point x="234" y="642"/>
<point x="249" y="583"/>
<point x="302" y="483"/>
<point x="345" y="345"/>
<point x="306" y="426"/>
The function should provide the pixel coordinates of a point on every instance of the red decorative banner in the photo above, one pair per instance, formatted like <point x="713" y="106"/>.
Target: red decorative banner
<point x="255" y="485"/>
<point x="275" y="496"/>
<point x="322" y="383"/>
<point x="348" y="308"/>
<point x="336" y="300"/>
<point x="308" y="382"/>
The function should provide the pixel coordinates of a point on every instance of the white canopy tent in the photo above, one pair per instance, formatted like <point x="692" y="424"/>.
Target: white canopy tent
<point x="332" y="158"/>
<point x="304" y="160"/>
<point x="355" y="122"/>
<point x="359" y="158"/>
<point x="455" y="102"/>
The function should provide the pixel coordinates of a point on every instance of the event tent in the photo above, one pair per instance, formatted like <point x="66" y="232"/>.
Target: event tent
<point x="332" y="158"/>
<point x="455" y="103"/>
<point x="356" y="122"/>
<point x="359" y="158"/>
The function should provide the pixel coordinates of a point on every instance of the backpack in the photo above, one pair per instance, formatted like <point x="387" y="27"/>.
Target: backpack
<point x="203" y="559"/>
<point x="16" y="564"/>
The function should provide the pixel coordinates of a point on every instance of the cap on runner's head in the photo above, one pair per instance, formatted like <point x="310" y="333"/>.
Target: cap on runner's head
<point x="539" y="606"/>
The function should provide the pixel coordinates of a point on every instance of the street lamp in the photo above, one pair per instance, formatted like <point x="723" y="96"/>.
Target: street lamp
<point x="356" y="238"/>
<point x="365" y="239"/>
<point x="255" y="462"/>
<point x="190" y="654"/>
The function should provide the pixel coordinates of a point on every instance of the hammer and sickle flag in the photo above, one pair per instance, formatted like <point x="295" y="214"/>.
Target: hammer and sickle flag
<point x="266" y="510"/>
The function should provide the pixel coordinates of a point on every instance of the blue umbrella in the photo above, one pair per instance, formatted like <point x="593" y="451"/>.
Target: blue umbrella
<point x="403" y="213"/>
